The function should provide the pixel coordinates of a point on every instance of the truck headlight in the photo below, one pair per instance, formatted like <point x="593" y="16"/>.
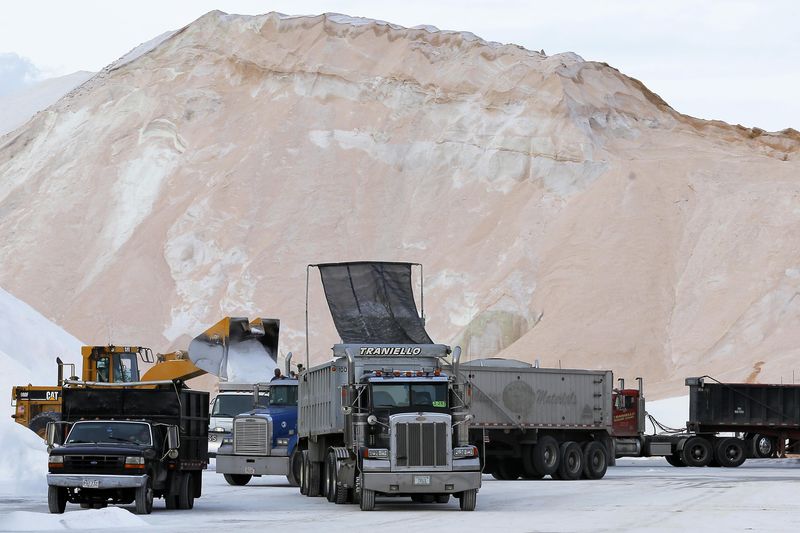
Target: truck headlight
<point x="218" y="429"/>
<point x="376" y="453"/>
<point x="465" y="451"/>
<point x="227" y="440"/>
<point x="134" y="462"/>
<point x="283" y="442"/>
<point x="55" y="461"/>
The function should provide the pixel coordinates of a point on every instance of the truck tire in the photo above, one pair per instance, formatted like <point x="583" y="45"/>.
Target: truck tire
<point x="144" y="498"/>
<point x="330" y="477"/>
<point x="571" y="465"/>
<point x="506" y="470"/>
<point x="38" y="424"/>
<point x="367" y="502"/>
<point x="171" y="501"/>
<point x="730" y="452"/>
<point x="545" y="455"/>
<point x="313" y="479"/>
<point x="675" y="460"/>
<point x="295" y="464"/>
<point x="237" y="479"/>
<point x="468" y="500"/>
<point x="761" y="446"/>
<point x="595" y="460"/>
<point x="56" y="499"/>
<point x="186" y="493"/>
<point x="697" y="452"/>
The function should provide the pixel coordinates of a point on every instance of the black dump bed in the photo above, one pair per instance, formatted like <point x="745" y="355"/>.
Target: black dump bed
<point x="170" y="404"/>
<point x="741" y="406"/>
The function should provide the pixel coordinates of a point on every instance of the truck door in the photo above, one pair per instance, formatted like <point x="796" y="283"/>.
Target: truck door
<point x="626" y="403"/>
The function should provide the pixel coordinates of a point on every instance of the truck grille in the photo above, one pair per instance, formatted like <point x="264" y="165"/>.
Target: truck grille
<point x="252" y="435"/>
<point x="422" y="444"/>
<point x="98" y="464"/>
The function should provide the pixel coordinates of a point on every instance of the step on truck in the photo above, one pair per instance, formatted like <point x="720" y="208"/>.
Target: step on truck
<point x="534" y="422"/>
<point x="128" y="444"/>
<point x="383" y="418"/>
<point x="727" y="423"/>
<point x="263" y="440"/>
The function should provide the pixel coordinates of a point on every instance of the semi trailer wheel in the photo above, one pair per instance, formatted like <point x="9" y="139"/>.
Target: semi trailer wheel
<point x="237" y="479"/>
<point x="595" y="460"/>
<point x="675" y="460"/>
<point x="144" y="498"/>
<point x="762" y="446"/>
<point x="730" y="452"/>
<point x="468" y="500"/>
<point x="367" y="500"/>
<point x="545" y="455"/>
<point x="56" y="499"/>
<point x="697" y="452"/>
<point x="571" y="465"/>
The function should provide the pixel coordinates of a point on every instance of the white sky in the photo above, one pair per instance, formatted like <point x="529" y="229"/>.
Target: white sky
<point x="735" y="60"/>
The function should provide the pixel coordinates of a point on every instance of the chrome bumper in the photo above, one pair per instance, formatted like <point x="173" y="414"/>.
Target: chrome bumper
<point x="403" y="482"/>
<point x="252" y="465"/>
<point x="103" y="481"/>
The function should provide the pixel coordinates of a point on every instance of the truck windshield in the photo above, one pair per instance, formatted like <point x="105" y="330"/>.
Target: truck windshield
<point x="283" y="395"/>
<point x="110" y="432"/>
<point x="230" y="405"/>
<point x="391" y="395"/>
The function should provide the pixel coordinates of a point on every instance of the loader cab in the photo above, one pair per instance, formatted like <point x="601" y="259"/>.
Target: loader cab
<point x="628" y="411"/>
<point x="113" y="364"/>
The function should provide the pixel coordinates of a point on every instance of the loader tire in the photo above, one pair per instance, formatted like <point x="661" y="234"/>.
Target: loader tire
<point x="38" y="423"/>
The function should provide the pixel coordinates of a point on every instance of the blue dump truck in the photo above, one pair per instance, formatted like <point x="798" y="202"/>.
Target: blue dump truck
<point x="263" y="441"/>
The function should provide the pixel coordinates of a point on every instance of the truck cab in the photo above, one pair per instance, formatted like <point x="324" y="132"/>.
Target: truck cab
<point x="262" y="440"/>
<point x="231" y="401"/>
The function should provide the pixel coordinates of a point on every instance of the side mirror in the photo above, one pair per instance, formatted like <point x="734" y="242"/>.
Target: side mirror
<point x="173" y="441"/>
<point x="372" y="420"/>
<point x="50" y="434"/>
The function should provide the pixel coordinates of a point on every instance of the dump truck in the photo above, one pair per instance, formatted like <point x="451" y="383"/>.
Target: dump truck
<point x="232" y="399"/>
<point x="383" y="418"/>
<point x="263" y="440"/>
<point x="568" y="424"/>
<point x="127" y="444"/>
<point x="727" y="423"/>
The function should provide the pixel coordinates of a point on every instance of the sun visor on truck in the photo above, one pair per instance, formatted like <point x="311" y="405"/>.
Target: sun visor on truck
<point x="373" y="303"/>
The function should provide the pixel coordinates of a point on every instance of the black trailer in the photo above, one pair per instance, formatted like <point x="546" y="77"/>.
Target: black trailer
<point x="129" y="444"/>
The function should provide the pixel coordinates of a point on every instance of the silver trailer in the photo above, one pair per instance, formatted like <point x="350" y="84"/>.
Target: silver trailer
<point x="383" y="418"/>
<point x="532" y="422"/>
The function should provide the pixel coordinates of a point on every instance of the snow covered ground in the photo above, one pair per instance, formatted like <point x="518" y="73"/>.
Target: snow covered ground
<point x="637" y="495"/>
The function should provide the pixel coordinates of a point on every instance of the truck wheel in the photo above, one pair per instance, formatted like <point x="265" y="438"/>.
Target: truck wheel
<point x="237" y="479"/>
<point x="295" y="464"/>
<point x="313" y="479"/>
<point x="730" y="452"/>
<point x="171" y="501"/>
<point x="762" y="446"/>
<point x="186" y="493"/>
<point x="675" y="460"/>
<point x="505" y="470"/>
<point x="697" y="452"/>
<point x="595" y="460"/>
<point x="144" y="498"/>
<point x="571" y="465"/>
<point x="545" y="455"/>
<point x="56" y="499"/>
<point x="442" y="498"/>
<point x="367" y="500"/>
<point x="330" y="477"/>
<point x="468" y="500"/>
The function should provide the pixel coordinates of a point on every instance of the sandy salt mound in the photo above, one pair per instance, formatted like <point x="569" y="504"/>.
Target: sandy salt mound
<point x="562" y="211"/>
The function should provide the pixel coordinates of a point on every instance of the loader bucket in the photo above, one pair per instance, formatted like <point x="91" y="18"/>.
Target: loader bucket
<point x="238" y="350"/>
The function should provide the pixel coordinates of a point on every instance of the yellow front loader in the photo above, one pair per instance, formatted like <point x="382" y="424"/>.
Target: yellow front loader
<point x="219" y="350"/>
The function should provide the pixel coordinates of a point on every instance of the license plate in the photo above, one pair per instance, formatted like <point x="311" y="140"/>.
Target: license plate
<point x="422" y="480"/>
<point x="90" y="483"/>
<point x="249" y="470"/>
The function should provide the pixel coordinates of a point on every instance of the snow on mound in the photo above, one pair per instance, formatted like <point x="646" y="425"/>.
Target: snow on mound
<point x="106" y="519"/>
<point x="670" y="412"/>
<point x="29" y="344"/>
